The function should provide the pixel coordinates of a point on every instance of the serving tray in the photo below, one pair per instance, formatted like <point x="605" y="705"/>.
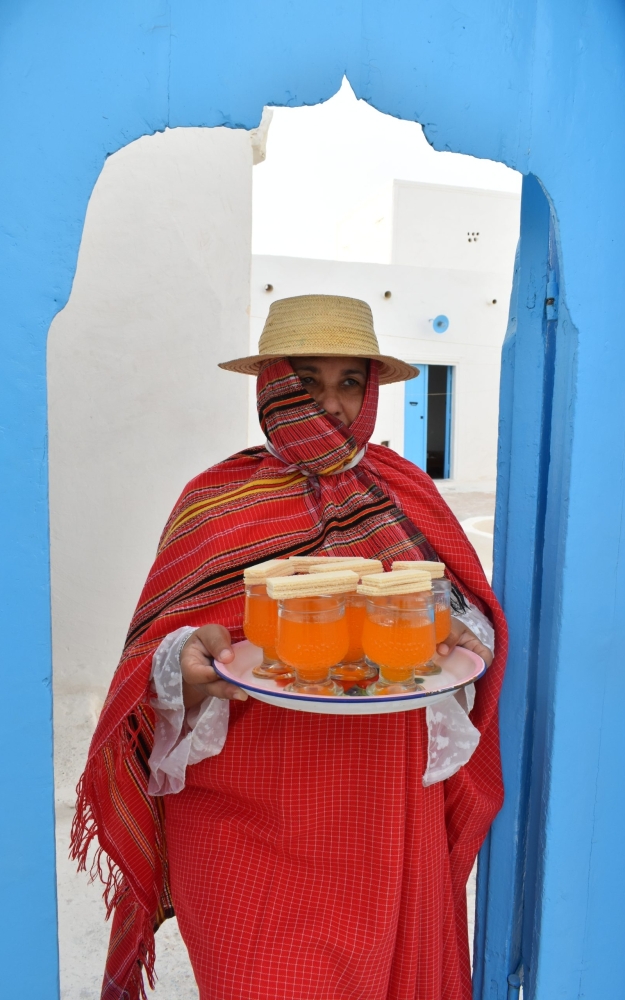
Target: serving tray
<point x="461" y="667"/>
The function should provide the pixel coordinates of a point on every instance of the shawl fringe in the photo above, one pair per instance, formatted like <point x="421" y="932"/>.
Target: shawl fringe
<point x="119" y="898"/>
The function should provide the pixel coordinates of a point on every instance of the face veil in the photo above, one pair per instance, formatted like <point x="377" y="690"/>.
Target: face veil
<point x="300" y="431"/>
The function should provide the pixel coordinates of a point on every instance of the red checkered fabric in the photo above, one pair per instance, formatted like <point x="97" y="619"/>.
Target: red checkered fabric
<point x="306" y="860"/>
<point x="290" y="419"/>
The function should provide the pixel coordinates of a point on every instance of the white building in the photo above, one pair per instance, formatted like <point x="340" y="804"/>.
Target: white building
<point x="436" y="267"/>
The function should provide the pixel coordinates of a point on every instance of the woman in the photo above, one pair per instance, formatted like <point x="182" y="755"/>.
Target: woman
<point x="309" y="857"/>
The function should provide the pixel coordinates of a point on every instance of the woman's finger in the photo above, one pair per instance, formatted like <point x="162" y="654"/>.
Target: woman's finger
<point x="468" y="640"/>
<point x="206" y="644"/>
<point x="216" y="689"/>
<point x="196" y="664"/>
<point x="460" y="635"/>
<point x="197" y="657"/>
<point x="221" y="689"/>
<point x="200" y="679"/>
<point x="457" y="630"/>
<point x="450" y="643"/>
<point x="216" y="641"/>
<point x="478" y="647"/>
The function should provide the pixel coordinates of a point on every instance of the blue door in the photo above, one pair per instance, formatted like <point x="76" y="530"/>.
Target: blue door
<point x="415" y="419"/>
<point x="427" y="420"/>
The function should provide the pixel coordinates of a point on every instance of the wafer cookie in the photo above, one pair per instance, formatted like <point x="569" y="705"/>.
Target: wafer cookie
<point x="435" y="569"/>
<point x="281" y="588"/>
<point x="303" y="563"/>
<point x="364" y="567"/>
<point x="383" y="584"/>
<point x="262" y="571"/>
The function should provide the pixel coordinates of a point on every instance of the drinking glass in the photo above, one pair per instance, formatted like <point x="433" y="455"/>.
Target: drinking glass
<point x="353" y="669"/>
<point x="399" y="637"/>
<point x="312" y="638"/>
<point x="441" y="590"/>
<point x="260" y="625"/>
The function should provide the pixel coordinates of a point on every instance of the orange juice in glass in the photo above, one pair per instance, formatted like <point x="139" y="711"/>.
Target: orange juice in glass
<point x="399" y="636"/>
<point x="260" y="620"/>
<point x="260" y="625"/>
<point x="441" y="590"/>
<point x="312" y="638"/>
<point x="353" y="668"/>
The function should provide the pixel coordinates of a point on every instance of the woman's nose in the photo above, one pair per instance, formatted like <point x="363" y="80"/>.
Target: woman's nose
<point x="331" y="403"/>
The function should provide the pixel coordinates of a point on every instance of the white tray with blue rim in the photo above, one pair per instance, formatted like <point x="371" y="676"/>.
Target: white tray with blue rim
<point x="460" y="668"/>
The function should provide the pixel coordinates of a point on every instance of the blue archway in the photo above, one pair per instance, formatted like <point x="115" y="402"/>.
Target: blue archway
<point x="537" y="84"/>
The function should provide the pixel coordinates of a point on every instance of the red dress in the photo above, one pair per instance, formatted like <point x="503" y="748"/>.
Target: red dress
<point x="306" y="860"/>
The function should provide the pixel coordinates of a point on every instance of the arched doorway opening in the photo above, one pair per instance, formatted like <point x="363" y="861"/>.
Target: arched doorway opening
<point x="347" y="201"/>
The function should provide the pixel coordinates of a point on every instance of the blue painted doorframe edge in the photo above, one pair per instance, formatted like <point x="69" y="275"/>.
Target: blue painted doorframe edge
<point x="538" y="85"/>
<point x="506" y="880"/>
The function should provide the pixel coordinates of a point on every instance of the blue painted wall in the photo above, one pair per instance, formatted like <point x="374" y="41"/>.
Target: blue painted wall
<point x="535" y="83"/>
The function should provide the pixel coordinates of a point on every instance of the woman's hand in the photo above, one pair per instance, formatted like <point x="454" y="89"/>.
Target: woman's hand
<point x="460" y="635"/>
<point x="199" y="678"/>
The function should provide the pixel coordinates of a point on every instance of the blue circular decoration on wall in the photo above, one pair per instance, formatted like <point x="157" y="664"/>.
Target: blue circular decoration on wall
<point x="440" y="323"/>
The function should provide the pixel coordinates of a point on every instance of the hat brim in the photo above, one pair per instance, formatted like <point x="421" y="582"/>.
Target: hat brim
<point x="391" y="369"/>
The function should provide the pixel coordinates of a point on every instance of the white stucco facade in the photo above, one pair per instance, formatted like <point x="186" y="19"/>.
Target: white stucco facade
<point x="429" y="225"/>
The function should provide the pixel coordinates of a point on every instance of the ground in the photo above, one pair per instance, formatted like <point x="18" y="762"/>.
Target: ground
<point x="465" y="505"/>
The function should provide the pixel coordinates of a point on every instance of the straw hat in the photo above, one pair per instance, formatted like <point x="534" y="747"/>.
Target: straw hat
<point x="321" y="326"/>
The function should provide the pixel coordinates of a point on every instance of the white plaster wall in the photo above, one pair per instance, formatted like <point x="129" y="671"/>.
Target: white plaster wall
<point x="403" y="322"/>
<point x="137" y="407"/>
<point x="366" y="232"/>
<point x="443" y="226"/>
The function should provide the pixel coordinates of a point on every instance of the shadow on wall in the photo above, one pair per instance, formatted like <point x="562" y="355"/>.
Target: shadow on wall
<point x="137" y="407"/>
